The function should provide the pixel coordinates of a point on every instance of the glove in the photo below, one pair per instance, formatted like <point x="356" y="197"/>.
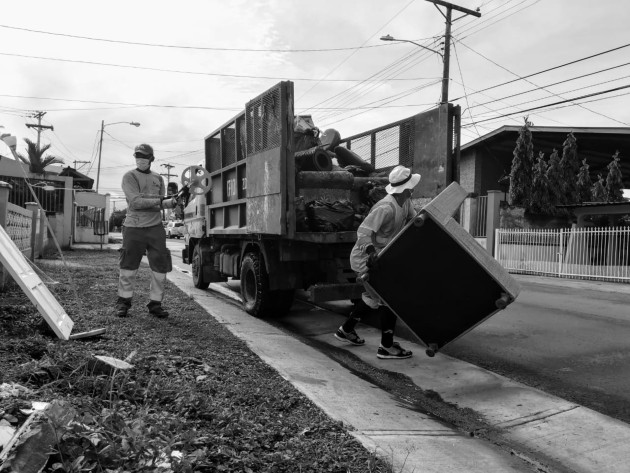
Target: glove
<point x="168" y="202"/>
<point x="372" y="261"/>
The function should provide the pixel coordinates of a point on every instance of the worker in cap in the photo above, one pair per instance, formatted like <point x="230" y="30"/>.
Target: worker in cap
<point x="143" y="232"/>
<point x="385" y="220"/>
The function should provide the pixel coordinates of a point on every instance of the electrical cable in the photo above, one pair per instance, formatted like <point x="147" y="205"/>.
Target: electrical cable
<point x="459" y="67"/>
<point x="200" y="48"/>
<point x="355" y="51"/>
<point x="177" y="71"/>
<point x="556" y="103"/>
<point x="548" y="91"/>
<point x="539" y="72"/>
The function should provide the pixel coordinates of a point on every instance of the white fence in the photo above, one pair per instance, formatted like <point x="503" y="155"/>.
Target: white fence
<point x="585" y="253"/>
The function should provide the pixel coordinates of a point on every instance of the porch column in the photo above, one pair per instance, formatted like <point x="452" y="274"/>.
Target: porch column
<point x="34" y="208"/>
<point x="492" y="218"/>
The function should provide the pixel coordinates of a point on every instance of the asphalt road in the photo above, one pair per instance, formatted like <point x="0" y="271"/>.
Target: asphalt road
<point x="568" y="338"/>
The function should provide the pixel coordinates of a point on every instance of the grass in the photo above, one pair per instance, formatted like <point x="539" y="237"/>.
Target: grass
<point x="197" y="399"/>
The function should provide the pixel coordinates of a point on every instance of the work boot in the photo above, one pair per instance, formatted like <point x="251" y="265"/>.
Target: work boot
<point x="122" y="306"/>
<point x="156" y="309"/>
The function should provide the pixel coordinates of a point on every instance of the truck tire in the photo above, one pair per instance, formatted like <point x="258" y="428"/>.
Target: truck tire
<point x="197" y="269"/>
<point x="257" y="299"/>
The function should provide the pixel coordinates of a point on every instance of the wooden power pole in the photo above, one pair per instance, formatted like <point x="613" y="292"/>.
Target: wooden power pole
<point x="168" y="172"/>
<point x="39" y="125"/>
<point x="447" y="38"/>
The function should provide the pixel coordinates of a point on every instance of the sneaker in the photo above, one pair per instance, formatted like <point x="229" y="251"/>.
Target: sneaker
<point x="122" y="307"/>
<point x="156" y="310"/>
<point x="351" y="337"/>
<point x="395" y="352"/>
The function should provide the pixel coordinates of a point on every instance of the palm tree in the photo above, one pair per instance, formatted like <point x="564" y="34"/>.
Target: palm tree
<point x="35" y="157"/>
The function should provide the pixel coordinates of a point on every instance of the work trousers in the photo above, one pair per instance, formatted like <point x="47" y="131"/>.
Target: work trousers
<point x="387" y="320"/>
<point x="137" y="242"/>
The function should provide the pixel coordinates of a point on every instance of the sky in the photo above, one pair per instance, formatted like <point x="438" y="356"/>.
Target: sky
<point x="182" y="69"/>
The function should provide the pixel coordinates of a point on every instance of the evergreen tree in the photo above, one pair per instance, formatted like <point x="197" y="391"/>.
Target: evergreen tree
<point x="570" y="167"/>
<point x="614" y="181"/>
<point x="540" y="202"/>
<point x="554" y="182"/>
<point x="521" y="173"/>
<point x="599" y="190"/>
<point x="584" y="183"/>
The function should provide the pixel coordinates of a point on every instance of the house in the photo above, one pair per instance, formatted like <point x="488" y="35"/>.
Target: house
<point x="486" y="161"/>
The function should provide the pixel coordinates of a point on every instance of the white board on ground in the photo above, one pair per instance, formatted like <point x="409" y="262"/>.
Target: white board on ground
<point x="13" y="260"/>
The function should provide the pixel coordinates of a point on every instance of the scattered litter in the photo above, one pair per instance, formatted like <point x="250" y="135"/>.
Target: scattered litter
<point x="13" y="390"/>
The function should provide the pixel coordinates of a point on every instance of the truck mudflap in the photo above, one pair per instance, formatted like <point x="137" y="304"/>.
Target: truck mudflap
<point x="436" y="278"/>
<point x="334" y="292"/>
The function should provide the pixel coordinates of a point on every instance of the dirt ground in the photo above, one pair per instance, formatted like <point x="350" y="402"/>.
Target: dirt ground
<point x="196" y="398"/>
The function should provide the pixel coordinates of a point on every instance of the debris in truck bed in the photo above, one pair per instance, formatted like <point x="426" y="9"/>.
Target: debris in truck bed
<point x="331" y="217"/>
<point x="330" y="139"/>
<point x="346" y="157"/>
<point x="313" y="159"/>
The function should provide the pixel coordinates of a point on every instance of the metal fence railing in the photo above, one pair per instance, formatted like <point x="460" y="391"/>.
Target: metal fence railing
<point x="20" y="194"/>
<point x="585" y="253"/>
<point x="481" y="216"/>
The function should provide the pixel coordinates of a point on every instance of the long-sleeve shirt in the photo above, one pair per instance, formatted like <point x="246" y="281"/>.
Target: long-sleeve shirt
<point x="144" y="192"/>
<point x="382" y="224"/>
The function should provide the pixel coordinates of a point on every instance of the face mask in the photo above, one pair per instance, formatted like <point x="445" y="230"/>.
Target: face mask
<point x="143" y="164"/>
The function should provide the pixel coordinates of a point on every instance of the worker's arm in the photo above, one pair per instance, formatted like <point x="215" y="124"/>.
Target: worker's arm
<point x="138" y="201"/>
<point x="365" y="241"/>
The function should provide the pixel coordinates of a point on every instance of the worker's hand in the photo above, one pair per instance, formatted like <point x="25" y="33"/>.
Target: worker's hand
<point x="169" y="202"/>
<point x="363" y="277"/>
<point x="372" y="253"/>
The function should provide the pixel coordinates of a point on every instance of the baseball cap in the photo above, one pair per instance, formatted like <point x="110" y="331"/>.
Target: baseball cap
<point x="144" y="149"/>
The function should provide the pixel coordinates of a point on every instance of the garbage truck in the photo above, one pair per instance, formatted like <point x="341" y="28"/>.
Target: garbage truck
<point x="276" y="205"/>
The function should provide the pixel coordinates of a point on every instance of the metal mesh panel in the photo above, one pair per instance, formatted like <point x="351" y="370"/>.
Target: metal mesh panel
<point x="264" y="122"/>
<point x="52" y="201"/>
<point x="386" y="147"/>
<point x="229" y="145"/>
<point x="213" y="153"/>
<point x="240" y="127"/>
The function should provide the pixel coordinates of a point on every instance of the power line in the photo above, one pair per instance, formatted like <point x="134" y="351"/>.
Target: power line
<point x="200" y="48"/>
<point x="556" y="103"/>
<point x="122" y="103"/>
<point x="557" y="83"/>
<point x="177" y="71"/>
<point x="353" y="53"/>
<point x="548" y="91"/>
<point x="539" y="72"/>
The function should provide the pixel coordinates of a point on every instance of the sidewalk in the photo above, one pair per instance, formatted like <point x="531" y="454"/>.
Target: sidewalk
<point x="546" y="433"/>
<point x="551" y="434"/>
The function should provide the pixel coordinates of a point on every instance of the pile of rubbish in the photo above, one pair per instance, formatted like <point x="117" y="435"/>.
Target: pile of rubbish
<point x="318" y="151"/>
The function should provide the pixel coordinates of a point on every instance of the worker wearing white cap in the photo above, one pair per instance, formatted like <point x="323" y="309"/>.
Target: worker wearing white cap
<point x="385" y="220"/>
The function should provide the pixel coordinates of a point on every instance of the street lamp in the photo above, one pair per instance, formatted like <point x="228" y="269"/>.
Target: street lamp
<point x="100" y="146"/>
<point x="444" y="61"/>
<point x="391" y="38"/>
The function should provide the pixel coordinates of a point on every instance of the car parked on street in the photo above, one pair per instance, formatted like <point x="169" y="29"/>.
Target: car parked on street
<point x="174" y="229"/>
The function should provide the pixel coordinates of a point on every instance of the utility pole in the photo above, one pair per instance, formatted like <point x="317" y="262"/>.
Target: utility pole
<point x="80" y="162"/>
<point x="168" y="172"/>
<point x="39" y="125"/>
<point x="168" y="181"/>
<point x="447" y="38"/>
